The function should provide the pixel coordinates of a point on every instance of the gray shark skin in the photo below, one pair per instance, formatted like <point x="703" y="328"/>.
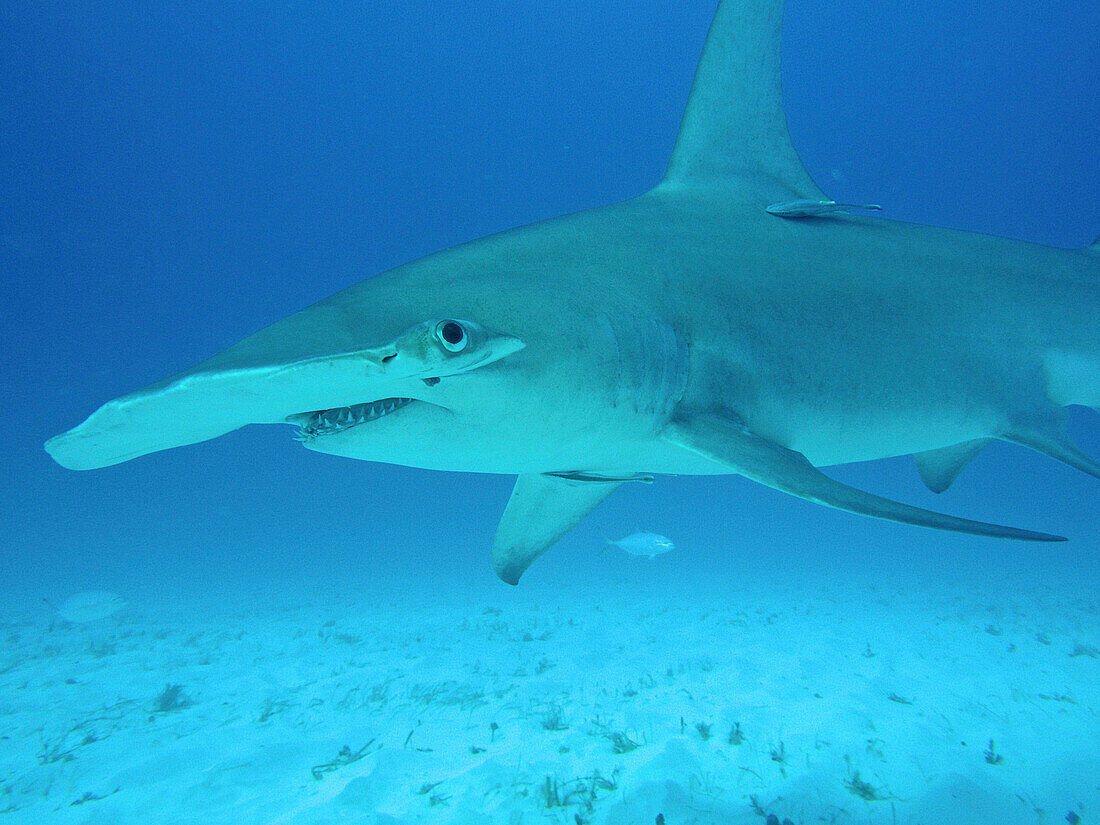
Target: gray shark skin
<point x="685" y="331"/>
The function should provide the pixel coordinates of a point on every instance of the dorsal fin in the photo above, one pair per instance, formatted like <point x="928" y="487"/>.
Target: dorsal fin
<point x="734" y="130"/>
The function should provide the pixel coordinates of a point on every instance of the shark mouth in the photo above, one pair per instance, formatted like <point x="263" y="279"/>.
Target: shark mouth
<point x="329" y="422"/>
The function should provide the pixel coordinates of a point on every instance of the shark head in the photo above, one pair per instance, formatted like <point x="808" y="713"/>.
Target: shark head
<point x="474" y="359"/>
<point x="423" y="383"/>
<point x="394" y="369"/>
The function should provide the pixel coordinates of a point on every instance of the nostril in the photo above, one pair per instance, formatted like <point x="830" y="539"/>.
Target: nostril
<point x="386" y="359"/>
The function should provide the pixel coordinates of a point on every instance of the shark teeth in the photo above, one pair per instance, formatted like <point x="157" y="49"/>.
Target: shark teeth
<point x="327" y="422"/>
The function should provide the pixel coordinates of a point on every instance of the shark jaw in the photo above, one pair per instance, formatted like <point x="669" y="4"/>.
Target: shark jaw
<point x="320" y="423"/>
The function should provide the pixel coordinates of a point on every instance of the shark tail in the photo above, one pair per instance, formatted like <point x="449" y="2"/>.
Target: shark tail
<point x="1074" y="378"/>
<point x="1058" y="446"/>
<point x="1073" y="375"/>
<point x="1073" y="369"/>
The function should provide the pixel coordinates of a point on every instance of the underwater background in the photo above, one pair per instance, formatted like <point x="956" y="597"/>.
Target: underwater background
<point x="175" y="176"/>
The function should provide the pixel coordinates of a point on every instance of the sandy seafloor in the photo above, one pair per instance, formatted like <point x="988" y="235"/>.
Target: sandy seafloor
<point x="454" y="703"/>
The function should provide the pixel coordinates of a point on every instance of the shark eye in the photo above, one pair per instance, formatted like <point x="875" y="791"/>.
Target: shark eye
<point x="451" y="335"/>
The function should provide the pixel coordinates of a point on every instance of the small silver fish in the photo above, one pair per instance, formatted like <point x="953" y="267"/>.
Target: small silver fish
<point x="644" y="544"/>
<point x="89" y="606"/>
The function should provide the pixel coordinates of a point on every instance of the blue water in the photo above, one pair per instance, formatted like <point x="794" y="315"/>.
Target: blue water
<point x="175" y="176"/>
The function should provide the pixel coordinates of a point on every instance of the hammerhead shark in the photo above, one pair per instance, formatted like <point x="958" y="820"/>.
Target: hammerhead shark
<point x="732" y="319"/>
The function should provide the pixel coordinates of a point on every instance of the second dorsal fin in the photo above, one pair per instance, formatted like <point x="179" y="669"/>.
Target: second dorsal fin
<point x="939" y="468"/>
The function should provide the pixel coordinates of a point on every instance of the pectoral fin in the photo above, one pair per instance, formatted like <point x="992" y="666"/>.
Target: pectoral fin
<point x="542" y="509"/>
<point x="726" y="441"/>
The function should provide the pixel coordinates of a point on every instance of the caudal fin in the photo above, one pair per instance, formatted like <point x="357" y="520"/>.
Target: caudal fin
<point x="1073" y="378"/>
<point x="1050" y="437"/>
